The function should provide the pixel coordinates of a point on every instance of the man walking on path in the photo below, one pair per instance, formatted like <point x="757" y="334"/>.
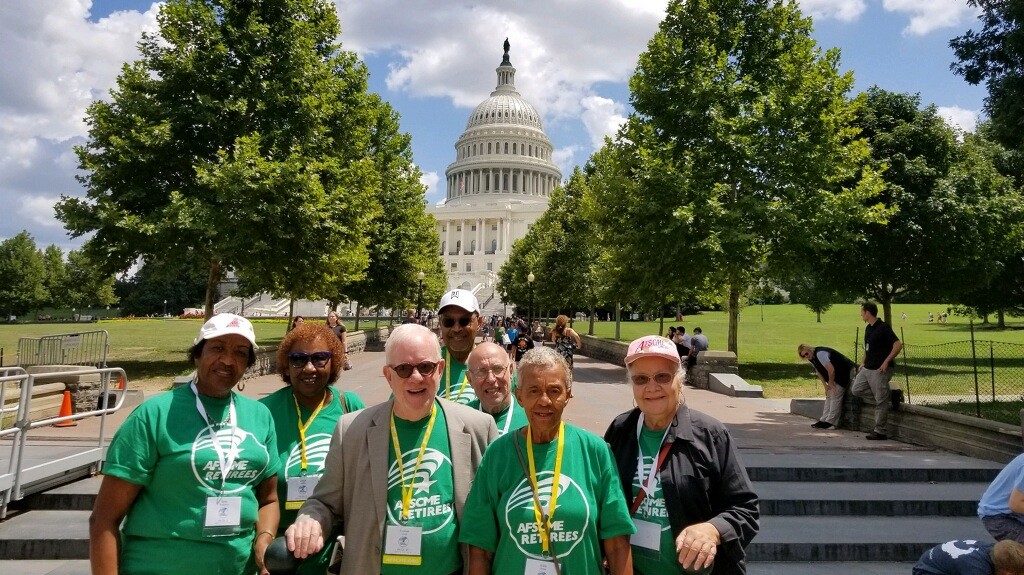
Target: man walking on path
<point x="881" y="346"/>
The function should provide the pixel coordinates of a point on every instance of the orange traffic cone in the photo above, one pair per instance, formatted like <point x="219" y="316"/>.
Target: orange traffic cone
<point x="120" y="383"/>
<point x="65" y="409"/>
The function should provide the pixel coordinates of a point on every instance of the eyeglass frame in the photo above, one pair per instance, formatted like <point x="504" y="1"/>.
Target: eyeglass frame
<point x="496" y="371"/>
<point x="666" y="376"/>
<point x="408" y="368"/>
<point x="319" y="359"/>
<point x="449" y="322"/>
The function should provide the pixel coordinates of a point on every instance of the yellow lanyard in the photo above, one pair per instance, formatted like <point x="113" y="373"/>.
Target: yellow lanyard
<point x="544" y="520"/>
<point x="407" y="490"/>
<point x="448" y="378"/>
<point x="303" y="427"/>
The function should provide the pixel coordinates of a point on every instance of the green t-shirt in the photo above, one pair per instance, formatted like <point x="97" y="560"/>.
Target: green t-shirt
<point x="318" y="440"/>
<point x="591" y="507"/>
<point x="433" y="501"/>
<point x="455" y="384"/>
<point x="165" y="446"/>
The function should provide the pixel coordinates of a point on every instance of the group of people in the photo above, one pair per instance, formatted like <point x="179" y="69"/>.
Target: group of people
<point x="469" y="467"/>
<point x="871" y="383"/>
<point x="688" y="346"/>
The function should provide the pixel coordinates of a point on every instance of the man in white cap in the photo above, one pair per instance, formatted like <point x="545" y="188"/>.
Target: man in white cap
<point x="459" y="322"/>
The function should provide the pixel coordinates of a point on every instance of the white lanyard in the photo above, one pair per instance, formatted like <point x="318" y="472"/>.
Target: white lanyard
<point x="225" y="459"/>
<point x="648" y="485"/>
<point x="508" y="418"/>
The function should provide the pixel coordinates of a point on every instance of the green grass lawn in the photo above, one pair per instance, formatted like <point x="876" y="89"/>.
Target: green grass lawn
<point x="155" y="348"/>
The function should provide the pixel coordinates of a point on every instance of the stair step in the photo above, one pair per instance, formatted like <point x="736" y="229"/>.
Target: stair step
<point x="872" y="538"/>
<point x="869" y="498"/>
<point x="45" y="567"/>
<point x="77" y="496"/>
<point x="872" y="466"/>
<point x="45" y="535"/>
<point x="831" y="568"/>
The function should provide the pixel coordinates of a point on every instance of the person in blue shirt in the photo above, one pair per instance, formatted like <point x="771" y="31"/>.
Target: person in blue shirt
<point x="969" y="557"/>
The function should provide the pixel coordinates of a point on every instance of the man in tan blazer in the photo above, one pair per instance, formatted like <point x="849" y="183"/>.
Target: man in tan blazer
<point x="399" y="518"/>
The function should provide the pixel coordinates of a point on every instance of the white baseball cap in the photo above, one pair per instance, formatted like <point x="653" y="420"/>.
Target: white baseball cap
<point x="225" y="324"/>
<point x="460" y="298"/>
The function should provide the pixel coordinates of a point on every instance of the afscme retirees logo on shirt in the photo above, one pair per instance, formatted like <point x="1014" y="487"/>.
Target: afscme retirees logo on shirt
<point x="241" y="445"/>
<point x="317" y="446"/>
<point x="567" y="528"/>
<point x="429" y="508"/>
<point x="651" y="508"/>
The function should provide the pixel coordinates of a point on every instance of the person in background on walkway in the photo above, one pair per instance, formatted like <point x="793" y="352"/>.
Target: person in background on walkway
<point x="493" y="377"/>
<point x="547" y="493"/>
<point x="397" y="474"/>
<point x="565" y="339"/>
<point x="339" y="329"/>
<point x="306" y="411"/>
<point x="194" y="470"/>
<point x="834" y="370"/>
<point x="972" y="558"/>
<point x="459" y="313"/>
<point x="512" y="333"/>
<point x="296" y="322"/>
<point x="881" y="346"/>
<point x="692" y="502"/>
<point x="520" y="345"/>
<point x="1001" y="508"/>
<point x="410" y="316"/>
<point x="698" y="343"/>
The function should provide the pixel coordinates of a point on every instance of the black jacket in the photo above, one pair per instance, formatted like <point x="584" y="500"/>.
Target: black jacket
<point x="702" y="479"/>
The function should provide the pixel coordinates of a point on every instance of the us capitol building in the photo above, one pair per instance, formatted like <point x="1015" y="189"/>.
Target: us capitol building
<point x="498" y="185"/>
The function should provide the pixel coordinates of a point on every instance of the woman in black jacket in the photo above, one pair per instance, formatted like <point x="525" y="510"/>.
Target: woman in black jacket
<point x="696" y="511"/>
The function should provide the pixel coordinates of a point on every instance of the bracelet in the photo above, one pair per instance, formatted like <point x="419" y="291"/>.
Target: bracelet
<point x="261" y="533"/>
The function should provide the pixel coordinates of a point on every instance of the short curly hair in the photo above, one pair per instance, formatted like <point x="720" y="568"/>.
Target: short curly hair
<point x="309" y="333"/>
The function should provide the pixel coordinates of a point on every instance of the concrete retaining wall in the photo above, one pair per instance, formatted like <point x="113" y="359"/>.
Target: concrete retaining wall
<point x="928" y="427"/>
<point x="709" y="362"/>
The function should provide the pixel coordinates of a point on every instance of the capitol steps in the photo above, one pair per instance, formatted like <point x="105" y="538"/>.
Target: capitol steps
<point x="847" y="512"/>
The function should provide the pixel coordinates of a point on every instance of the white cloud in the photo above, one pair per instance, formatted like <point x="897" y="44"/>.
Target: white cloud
<point x="957" y="117"/>
<point x="842" y="10"/>
<point x="602" y="117"/>
<point x="929" y="15"/>
<point x="430" y="179"/>
<point x="565" y="159"/>
<point x="56" y="62"/>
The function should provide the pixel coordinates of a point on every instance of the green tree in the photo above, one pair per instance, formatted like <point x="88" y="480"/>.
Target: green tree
<point x="88" y="285"/>
<point x="55" y="280"/>
<point x="22" y="270"/>
<point x="953" y="215"/>
<point x="180" y="284"/>
<point x="812" y="293"/>
<point x="995" y="55"/>
<point x="745" y="148"/>
<point x="240" y="139"/>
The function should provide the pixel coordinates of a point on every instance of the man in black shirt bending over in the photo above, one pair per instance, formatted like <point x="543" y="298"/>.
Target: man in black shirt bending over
<point x="881" y="346"/>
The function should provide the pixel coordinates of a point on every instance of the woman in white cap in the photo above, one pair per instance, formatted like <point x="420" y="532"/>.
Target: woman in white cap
<point x="691" y="500"/>
<point x="164" y="471"/>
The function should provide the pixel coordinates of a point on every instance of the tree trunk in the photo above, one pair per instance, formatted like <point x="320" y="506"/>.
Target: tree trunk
<point x="661" y="319"/>
<point x="819" y="315"/>
<point x="591" y="330"/>
<point x="887" y="310"/>
<point x="984" y="319"/>
<point x="211" y="288"/>
<point x="734" y="317"/>
<point x="1001" y="314"/>
<point x="291" y="314"/>
<point x="618" y="321"/>
<point x="357" y="316"/>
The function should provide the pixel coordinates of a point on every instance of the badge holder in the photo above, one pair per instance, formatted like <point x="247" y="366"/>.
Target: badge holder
<point x="299" y="490"/>
<point x="223" y="516"/>
<point x="402" y="545"/>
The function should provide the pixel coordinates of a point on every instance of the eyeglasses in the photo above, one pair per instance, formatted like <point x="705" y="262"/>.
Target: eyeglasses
<point x="404" y="370"/>
<point x="450" y="321"/>
<point x="661" y="379"/>
<point x="496" y="371"/>
<point x="319" y="358"/>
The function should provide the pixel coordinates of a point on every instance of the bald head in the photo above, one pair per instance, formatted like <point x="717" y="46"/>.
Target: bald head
<point x="490" y="374"/>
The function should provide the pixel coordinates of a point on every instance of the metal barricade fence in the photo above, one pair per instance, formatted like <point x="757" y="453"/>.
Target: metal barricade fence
<point x="23" y="473"/>
<point x="965" y="376"/>
<point x="83" y="348"/>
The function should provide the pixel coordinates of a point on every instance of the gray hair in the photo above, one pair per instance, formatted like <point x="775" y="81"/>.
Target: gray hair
<point x="545" y="358"/>
<point x="409" y="332"/>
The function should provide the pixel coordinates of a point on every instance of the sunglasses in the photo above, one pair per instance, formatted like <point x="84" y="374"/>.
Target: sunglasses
<point x="319" y="358"/>
<point x="661" y="379"/>
<point x="404" y="370"/>
<point x="450" y="321"/>
<point x="496" y="371"/>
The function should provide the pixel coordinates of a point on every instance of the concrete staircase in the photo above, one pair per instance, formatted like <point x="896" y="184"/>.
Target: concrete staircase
<point x="826" y="511"/>
<point x="838" y="512"/>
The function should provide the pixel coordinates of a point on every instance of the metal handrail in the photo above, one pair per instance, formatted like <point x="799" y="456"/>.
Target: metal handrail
<point x="15" y="432"/>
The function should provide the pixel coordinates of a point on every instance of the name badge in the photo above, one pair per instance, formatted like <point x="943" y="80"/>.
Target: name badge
<point x="223" y="516"/>
<point x="648" y="535"/>
<point x="539" y="567"/>
<point x="402" y="544"/>
<point x="300" y="489"/>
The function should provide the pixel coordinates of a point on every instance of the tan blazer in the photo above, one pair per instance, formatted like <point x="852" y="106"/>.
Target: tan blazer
<point x="354" y="486"/>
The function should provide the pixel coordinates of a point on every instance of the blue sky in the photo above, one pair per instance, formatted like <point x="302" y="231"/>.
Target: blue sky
<point x="434" y="61"/>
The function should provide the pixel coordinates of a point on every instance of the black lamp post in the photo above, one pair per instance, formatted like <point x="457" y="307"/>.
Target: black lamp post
<point x="419" y="298"/>
<point x="529" y="280"/>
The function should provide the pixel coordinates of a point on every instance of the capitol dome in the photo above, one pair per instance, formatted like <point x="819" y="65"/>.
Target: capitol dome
<point x="503" y="151"/>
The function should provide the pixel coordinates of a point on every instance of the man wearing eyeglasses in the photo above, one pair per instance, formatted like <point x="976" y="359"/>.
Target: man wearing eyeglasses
<point x="459" y="315"/>
<point x="492" y="375"/>
<point x="397" y="474"/>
